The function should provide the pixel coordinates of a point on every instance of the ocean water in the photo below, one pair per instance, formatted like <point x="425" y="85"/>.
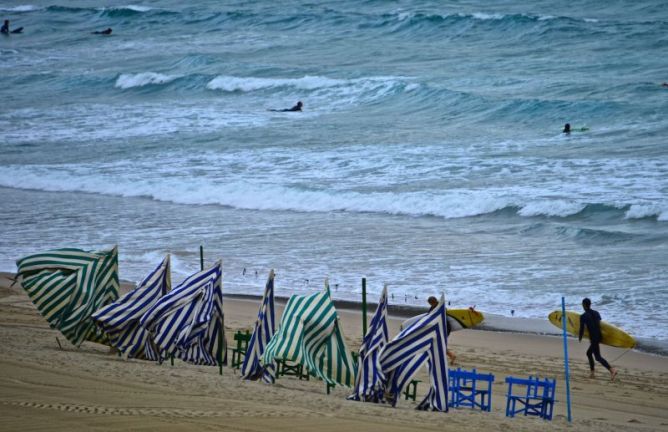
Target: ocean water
<point x="429" y="155"/>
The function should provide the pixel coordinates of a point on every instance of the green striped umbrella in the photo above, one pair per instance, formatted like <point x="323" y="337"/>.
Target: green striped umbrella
<point x="68" y="285"/>
<point x="310" y="335"/>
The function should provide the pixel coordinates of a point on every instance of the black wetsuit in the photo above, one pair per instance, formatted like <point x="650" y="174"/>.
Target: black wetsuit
<point x="592" y="320"/>
<point x="4" y="29"/>
<point x="295" y="108"/>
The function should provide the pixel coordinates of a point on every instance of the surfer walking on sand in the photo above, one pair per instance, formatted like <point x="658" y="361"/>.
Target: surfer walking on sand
<point x="592" y="320"/>
<point x="433" y="302"/>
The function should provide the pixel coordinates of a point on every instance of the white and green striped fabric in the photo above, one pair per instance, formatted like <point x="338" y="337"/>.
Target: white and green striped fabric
<point x="68" y="285"/>
<point x="310" y="335"/>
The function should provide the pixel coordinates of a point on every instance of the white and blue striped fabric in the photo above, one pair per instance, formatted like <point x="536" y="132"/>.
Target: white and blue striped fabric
<point x="120" y="319"/>
<point x="188" y="322"/>
<point x="424" y="341"/>
<point x="262" y="334"/>
<point x="368" y="382"/>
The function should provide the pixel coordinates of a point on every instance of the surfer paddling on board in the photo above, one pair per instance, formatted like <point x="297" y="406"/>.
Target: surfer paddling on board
<point x="592" y="320"/>
<point x="296" y="108"/>
<point x="5" y="29"/>
<point x="568" y="129"/>
<point x="433" y="302"/>
<point x="103" y="32"/>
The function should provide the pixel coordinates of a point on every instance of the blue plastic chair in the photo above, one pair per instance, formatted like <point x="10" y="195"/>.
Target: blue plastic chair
<point x="470" y="389"/>
<point x="538" y="400"/>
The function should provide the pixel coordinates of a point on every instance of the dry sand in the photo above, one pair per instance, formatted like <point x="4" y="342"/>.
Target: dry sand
<point x="43" y="387"/>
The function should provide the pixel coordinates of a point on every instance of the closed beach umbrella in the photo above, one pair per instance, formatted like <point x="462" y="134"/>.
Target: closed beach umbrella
<point x="423" y="342"/>
<point x="262" y="334"/>
<point x="368" y="383"/>
<point x="120" y="319"/>
<point x="188" y="321"/>
<point x="68" y="286"/>
<point x="310" y="335"/>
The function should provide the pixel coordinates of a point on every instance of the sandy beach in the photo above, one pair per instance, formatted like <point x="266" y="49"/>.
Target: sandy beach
<point x="46" y="387"/>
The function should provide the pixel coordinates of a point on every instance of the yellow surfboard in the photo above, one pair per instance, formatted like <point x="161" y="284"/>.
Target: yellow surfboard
<point x="466" y="318"/>
<point x="613" y="336"/>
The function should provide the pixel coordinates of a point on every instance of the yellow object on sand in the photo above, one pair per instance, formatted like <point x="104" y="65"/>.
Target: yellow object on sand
<point x="466" y="318"/>
<point x="613" y="336"/>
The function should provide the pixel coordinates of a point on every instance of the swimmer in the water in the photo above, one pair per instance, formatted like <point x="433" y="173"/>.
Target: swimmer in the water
<point x="5" y="29"/>
<point x="297" y="107"/>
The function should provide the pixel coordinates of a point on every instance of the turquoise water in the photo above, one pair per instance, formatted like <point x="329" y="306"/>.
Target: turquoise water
<point x="429" y="154"/>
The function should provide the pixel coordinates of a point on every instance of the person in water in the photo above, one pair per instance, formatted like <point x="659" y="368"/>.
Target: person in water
<point x="567" y="128"/>
<point x="591" y="319"/>
<point x="297" y="107"/>
<point x="5" y="29"/>
<point x="433" y="302"/>
<point x="103" y="32"/>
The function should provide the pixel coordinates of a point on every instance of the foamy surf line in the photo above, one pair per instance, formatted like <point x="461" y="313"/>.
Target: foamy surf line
<point x="229" y="83"/>
<point x="126" y="81"/>
<point x="20" y="8"/>
<point x="248" y="196"/>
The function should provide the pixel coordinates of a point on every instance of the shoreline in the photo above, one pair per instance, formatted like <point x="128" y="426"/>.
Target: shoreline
<point x="491" y="323"/>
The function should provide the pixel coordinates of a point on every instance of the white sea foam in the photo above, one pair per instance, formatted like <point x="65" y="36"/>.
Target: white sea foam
<point x="20" y="8"/>
<point x="126" y="81"/>
<point x="135" y="8"/>
<point x="252" y="196"/>
<point x="559" y="208"/>
<point x="403" y="15"/>
<point x="640" y="211"/>
<point x="487" y="16"/>
<point x="249" y="84"/>
<point x="138" y="8"/>
<point x="99" y="122"/>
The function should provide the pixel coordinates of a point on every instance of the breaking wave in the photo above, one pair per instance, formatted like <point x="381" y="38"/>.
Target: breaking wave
<point x="255" y="195"/>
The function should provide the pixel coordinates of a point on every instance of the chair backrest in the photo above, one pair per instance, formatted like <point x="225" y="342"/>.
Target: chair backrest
<point x="470" y="389"/>
<point x="511" y="380"/>
<point x="549" y="388"/>
<point x="460" y="373"/>
<point x="242" y="339"/>
<point x="535" y="387"/>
